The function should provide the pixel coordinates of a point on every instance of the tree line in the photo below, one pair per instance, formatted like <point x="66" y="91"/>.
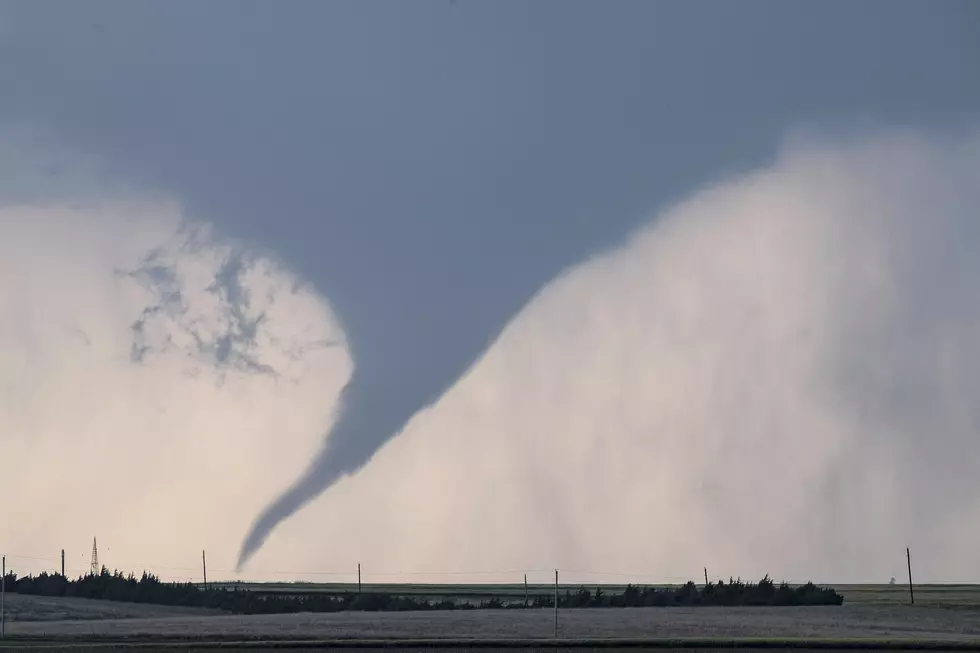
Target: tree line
<point x="148" y="588"/>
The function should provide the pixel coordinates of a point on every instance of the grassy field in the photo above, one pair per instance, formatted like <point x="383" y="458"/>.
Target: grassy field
<point x="871" y="613"/>
<point x="19" y="608"/>
<point x="856" y="621"/>
<point x="925" y="595"/>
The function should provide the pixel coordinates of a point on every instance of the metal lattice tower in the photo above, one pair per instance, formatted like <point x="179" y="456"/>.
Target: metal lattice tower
<point x="95" y="559"/>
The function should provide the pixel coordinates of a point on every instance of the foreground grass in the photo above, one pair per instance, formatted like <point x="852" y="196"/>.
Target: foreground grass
<point x="676" y="644"/>
<point x="737" y="624"/>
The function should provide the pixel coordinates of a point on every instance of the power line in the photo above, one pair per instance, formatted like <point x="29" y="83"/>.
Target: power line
<point x="33" y="558"/>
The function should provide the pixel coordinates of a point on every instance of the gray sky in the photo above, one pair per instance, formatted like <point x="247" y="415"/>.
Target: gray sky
<point x="430" y="165"/>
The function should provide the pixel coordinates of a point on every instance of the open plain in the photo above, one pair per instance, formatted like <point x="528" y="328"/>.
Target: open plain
<point x="870" y="614"/>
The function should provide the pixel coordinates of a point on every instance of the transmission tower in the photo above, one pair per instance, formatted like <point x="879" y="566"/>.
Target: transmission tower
<point x="95" y="559"/>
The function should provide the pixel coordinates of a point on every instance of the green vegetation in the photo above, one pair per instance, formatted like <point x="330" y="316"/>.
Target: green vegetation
<point x="149" y="589"/>
<point x="735" y="592"/>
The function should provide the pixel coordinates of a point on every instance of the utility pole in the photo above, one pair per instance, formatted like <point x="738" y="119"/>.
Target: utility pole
<point x="705" y="576"/>
<point x="3" y="600"/>
<point x="62" y="563"/>
<point x="204" y="565"/>
<point x="525" y="591"/>
<point x="908" y="557"/>
<point x="556" y="604"/>
<point x="358" y="578"/>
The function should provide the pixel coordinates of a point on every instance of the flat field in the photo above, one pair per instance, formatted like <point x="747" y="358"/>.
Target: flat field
<point x="855" y="621"/>
<point x="22" y="608"/>
<point x="960" y="596"/>
<point x="950" y="613"/>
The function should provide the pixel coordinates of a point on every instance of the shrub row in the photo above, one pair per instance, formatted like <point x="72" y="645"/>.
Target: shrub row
<point x="150" y="589"/>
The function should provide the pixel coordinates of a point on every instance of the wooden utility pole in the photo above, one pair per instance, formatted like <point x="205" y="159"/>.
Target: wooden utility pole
<point x="556" y="604"/>
<point x="204" y="566"/>
<point x="3" y="600"/>
<point x="358" y="578"/>
<point x="908" y="557"/>
<point x="62" y="563"/>
<point x="525" y="591"/>
<point x="705" y="576"/>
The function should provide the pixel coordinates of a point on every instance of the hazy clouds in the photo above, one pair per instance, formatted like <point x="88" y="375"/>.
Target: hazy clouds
<point x="778" y="374"/>
<point x="157" y="383"/>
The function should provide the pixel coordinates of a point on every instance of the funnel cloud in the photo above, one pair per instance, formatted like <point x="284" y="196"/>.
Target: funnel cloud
<point x="777" y="374"/>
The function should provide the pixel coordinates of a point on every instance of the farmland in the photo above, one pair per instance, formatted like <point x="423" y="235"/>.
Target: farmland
<point x="846" y="621"/>
<point x="949" y="596"/>
<point x="23" y="608"/>
<point x="947" y="612"/>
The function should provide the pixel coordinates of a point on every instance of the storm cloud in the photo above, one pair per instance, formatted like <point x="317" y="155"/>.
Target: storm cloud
<point x="427" y="168"/>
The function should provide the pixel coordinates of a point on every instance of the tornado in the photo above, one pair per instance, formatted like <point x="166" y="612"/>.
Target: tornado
<point x="372" y="409"/>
